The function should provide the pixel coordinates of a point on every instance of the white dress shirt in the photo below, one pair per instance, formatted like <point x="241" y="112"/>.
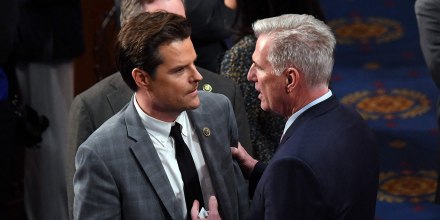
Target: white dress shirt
<point x="159" y="132"/>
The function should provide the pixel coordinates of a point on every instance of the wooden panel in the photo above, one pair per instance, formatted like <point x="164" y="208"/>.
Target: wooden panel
<point x="100" y="30"/>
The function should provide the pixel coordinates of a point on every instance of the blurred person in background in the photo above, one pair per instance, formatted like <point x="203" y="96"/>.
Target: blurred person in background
<point x="428" y="20"/>
<point x="8" y="119"/>
<point x="211" y="22"/>
<point x="49" y="37"/>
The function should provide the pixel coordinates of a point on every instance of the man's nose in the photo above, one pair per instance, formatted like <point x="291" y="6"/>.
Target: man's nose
<point x="197" y="76"/>
<point x="251" y="74"/>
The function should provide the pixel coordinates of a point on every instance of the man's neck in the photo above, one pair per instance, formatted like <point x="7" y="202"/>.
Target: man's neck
<point x="308" y="96"/>
<point x="148" y="108"/>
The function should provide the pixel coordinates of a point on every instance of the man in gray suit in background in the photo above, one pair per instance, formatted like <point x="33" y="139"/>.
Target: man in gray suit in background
<point x="94" y="106"/>
<point x="428" y="20"/>
<point x="128" y="168"/>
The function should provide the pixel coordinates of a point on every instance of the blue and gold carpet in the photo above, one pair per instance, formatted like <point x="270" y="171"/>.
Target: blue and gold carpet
<point x="380" y="71"/>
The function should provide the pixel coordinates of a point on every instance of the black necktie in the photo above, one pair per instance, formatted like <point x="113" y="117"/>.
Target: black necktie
<point x="191" y="184"/>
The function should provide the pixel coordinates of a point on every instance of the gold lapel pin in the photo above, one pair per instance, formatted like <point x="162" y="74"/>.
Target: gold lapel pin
<point x="207" y="88"/>
<point x="206" y="132"/>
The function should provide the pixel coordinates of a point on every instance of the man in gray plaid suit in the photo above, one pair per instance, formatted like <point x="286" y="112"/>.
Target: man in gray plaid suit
<point x="127" y="168"/>
<point x="91" y="108"/>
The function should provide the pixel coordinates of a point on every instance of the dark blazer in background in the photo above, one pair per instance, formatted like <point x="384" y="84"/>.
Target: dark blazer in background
<point x="326" y="167"/>
<point x="94" y="106"/>
<point x="49" y="30"/>
<point x="211" y="23"/>
<point x="428" y="20"/>
<point x="120" y="175"/>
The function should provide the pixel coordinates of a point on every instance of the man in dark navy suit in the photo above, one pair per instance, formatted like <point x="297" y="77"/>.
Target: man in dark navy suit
<point x="326" y="166"/>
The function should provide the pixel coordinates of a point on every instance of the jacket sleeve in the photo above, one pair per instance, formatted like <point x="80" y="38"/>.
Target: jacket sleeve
<point x="80" y="126"/>
<point x="96" y="193"/>
<point x="428" y="20"/>
<point x="240" y="182"/>
<point x="242" y="120"/>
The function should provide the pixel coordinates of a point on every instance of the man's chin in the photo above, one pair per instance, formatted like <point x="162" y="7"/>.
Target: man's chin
<point x="194" y="104"/>
<point x="264" y="107"/>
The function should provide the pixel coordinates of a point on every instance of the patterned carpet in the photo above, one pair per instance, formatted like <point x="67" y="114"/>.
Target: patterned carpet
<point x="380" y="71"/>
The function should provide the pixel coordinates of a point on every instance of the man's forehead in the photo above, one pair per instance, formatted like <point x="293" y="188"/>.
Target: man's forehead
<point x="261" y="48"/>
<point x="172" y="6"/>
<point x="263" y="41"/>
<point x="179" y="52"/>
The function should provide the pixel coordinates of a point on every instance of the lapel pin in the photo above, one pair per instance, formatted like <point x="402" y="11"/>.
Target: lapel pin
<point x="207" y="88"/>
<point x="206" y="132"/>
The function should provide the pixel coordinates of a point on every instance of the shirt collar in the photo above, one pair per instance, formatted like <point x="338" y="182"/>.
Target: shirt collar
<point x="158" y="128"/>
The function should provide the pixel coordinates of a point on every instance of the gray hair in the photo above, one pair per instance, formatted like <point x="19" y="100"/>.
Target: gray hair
<point x="129" y="9"/>
<point x="299" y="41"/>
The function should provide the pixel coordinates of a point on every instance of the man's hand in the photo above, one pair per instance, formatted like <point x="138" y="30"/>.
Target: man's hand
<point x="213" y="210"/>
<point x="246" y="162"/>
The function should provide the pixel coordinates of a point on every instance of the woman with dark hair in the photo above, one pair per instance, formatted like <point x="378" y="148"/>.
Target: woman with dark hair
<point x="265" y="127"/>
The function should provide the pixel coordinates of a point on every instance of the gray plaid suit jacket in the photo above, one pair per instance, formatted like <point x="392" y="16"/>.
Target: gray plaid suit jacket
<point x="91" y="108"/>
<point x="119" y="174"/>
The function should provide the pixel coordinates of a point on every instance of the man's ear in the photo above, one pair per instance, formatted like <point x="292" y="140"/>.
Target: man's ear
<point x="292" y="78"/>
<point x="141" y="77"/>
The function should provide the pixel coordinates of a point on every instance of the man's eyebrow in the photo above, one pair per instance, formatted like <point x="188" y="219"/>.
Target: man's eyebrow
<point x="255" y="64"/>
<point x="174" y="69"/>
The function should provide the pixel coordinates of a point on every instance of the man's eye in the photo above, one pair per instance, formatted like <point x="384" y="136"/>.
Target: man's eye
<point x="254" y="65"/>
<point x="181" y="69"/>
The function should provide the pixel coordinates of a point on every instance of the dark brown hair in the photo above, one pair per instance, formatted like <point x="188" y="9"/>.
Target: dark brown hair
<point x="140" y="38"/>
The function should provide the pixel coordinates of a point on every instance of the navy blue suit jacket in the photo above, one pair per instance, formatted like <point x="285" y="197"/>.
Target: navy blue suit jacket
<point x="326" y="167"/>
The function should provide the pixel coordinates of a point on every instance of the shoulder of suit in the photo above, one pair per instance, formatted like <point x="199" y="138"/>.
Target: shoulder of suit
<point x="113" y="82"/>
<point x="112" y="125"/>
<point x="212" y="103"/>
<point x="214" y="78"/>
<point x="211" y="96"/>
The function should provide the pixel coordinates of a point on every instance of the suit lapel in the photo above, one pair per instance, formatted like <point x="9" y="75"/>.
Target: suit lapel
<point x="211" y="157"/>
<point x="147" y="157"/>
